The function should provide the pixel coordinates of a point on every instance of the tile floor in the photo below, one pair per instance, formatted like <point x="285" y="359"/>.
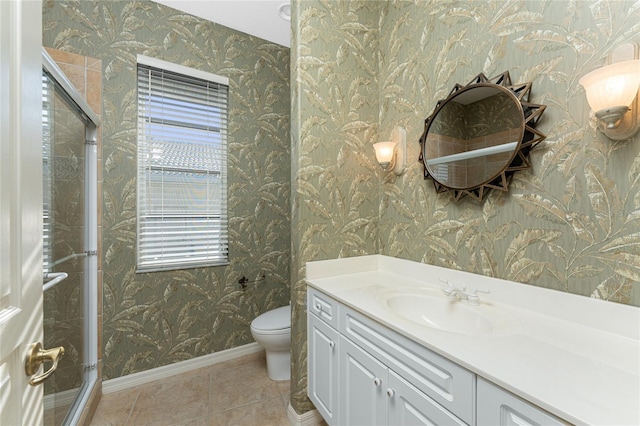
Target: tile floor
<point x="236" y="392"/>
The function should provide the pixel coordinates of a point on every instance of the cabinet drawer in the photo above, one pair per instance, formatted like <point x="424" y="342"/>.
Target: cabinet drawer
<point x="497" y="407"/>
<point x="322" y="306"/>
<point x="447" y="383"/>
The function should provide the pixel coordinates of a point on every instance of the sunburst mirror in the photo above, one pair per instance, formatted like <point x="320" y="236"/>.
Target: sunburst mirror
<point x="479" y="136"/>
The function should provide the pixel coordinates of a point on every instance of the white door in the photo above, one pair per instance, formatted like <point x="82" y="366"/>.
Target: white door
<point x="20" y="207"/>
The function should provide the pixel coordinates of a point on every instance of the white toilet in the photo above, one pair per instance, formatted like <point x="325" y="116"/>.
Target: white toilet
<point x="272" y="330"/>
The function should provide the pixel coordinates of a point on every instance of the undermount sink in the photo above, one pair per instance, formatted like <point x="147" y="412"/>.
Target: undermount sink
<point x="432" y="309"/>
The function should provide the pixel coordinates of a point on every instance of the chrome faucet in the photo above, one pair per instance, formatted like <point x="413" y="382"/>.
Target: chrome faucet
<point x="454" y="292"/>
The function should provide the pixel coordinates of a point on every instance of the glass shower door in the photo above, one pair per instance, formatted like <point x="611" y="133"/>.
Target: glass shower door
<point x="65" y="263"/>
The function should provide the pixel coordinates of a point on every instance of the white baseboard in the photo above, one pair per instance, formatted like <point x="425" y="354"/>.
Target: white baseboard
<point x="144" y="377"/>
<point x="60" y="399"/>
<point x="310" y="418"/>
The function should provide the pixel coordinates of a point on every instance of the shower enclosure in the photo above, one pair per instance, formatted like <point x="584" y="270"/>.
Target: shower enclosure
<point x="70" y="244"/>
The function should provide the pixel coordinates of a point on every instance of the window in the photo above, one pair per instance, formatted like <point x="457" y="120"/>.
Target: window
<point x="182" y="167"/>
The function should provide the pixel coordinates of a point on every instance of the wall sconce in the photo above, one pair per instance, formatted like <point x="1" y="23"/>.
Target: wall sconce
<point x="392" y="155"/>
<point x="612" y="92"/>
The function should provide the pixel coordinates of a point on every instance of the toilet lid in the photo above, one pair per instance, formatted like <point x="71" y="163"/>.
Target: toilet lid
<point x="276" y="319"/>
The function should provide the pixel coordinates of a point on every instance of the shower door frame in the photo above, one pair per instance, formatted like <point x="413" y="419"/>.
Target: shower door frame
<point x="90" y="282"/>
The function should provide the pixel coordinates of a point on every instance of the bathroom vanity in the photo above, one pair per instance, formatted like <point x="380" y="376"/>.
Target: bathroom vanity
<point x="395" y="342"/>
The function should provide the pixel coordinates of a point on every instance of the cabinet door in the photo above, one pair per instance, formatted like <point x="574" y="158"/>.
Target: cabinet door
<point x="363" y="382"/>
<point x="323" y="368"/>
<point x="410" y="406"/>
<point x="497" y="407"/>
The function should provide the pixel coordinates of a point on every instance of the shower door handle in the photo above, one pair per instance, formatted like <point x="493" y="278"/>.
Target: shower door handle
<point x="37" y="356"/>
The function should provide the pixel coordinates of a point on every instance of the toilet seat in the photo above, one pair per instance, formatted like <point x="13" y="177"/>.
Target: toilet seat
<point x="276" y="321"/>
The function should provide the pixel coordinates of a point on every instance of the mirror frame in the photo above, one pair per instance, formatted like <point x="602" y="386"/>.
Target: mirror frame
<point x="520" y="159"/>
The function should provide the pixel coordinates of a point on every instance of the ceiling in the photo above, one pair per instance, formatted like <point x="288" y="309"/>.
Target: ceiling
<point x="260" y="18"/>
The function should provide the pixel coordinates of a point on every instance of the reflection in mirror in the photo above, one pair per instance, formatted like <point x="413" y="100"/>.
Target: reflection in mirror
<point x="479" y="135"/>
<point x="473" y="137"/>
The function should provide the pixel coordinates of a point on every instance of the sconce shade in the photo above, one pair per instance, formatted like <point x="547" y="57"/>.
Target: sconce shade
<point x="615" y="85"/>
<point x="384" y="152"/>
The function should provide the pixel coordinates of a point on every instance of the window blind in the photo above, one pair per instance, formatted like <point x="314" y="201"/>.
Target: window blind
<point x="182" y="170"/>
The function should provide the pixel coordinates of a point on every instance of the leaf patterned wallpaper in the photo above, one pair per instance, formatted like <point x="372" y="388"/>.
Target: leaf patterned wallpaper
<point x="359" y="68"/>
<point x="159" y="318"/>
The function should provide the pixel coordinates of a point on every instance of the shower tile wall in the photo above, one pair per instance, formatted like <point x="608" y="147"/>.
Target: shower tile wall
<point x="63" y="303"/>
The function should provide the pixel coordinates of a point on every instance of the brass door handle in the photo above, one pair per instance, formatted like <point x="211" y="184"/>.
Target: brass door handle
<point x="37" y="356"/>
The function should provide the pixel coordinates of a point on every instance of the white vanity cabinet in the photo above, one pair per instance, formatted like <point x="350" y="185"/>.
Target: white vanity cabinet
<point x="362" y="373"/>
<point x="525" y="355"/>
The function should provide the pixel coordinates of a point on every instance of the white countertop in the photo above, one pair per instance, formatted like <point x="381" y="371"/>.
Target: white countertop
<point x="574" y="356"/>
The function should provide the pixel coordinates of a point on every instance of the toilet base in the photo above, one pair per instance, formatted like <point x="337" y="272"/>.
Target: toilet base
<point x="279" y="365"/>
